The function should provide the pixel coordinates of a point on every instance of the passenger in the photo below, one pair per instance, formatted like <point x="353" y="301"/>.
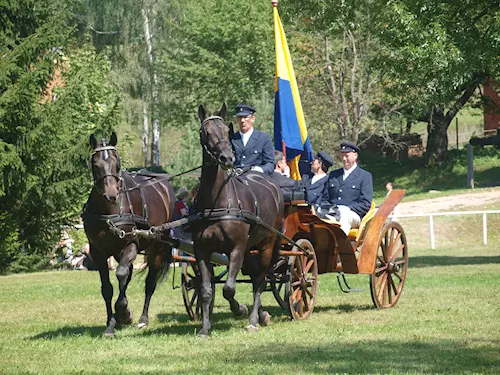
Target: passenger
<point x="252" y="148"/>
<point x="349" y="189"/>
<point x="288" y="185"/>
<point x="315" y="184"/>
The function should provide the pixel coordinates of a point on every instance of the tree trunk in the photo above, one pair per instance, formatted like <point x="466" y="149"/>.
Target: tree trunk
<point x="148" y="36"/>
<point x="145" y="133"/>
<point x="437" y="139"/>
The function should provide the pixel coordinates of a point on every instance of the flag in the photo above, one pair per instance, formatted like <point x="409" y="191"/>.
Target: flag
<point x="290" y="132"/>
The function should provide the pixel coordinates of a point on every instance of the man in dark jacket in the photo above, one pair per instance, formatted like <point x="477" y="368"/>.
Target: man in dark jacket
<point x="291" y="188"/>
<point x="349" y="188"/>
<point x="252" y="148"/>
<point x="315" y="184"/>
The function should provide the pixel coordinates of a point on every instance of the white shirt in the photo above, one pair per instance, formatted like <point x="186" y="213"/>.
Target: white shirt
<point x="246" y="136"/>
<point x="348" y="172"/>
<point x="317" y="177"/>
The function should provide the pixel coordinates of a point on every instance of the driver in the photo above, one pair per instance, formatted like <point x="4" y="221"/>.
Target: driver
<point x="252" y="148"/>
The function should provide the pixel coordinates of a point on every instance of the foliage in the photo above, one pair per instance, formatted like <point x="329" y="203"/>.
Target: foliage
<point x="52" y="96"/>
<point x="433" y="54"/>
<point x="219" y="51"/>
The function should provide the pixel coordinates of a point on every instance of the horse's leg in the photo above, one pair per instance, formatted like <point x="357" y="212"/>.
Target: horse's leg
<point x="235" y="264"/>
<point x="158" y="263"/>
<point x="258" y="315"/>
<point x="124" y="274"/>
<point x="106" y="289"/>
<point x="206" y="290"/>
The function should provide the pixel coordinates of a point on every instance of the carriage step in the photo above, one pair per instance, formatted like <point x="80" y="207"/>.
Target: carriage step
<point x="344" y="286"/>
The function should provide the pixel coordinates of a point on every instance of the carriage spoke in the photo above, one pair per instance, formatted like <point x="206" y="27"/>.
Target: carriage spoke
<point x="393" y="286"/>
<point x="383" y="284"/>
<point x="398" y="276"/>
<point x="393" y="242"/>
<point x="396" y="254"/>
<point x="380" y="280"/>
<point x="194" y="297"/>
<point x="306" y="302"/>
<point x="308" y="266"/>
<point x="389" y="289"/>
<point x="381" y="269"/>
<point x="294" y="294"/>
<point x="309" y="293"/>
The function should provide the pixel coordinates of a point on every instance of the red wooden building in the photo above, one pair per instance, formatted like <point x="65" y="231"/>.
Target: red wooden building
<point x="492" y="108"/>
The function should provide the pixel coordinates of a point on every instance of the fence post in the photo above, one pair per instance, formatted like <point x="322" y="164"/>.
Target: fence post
<point x="470" y="167"/>
<point x="456" y="126"/>
<point x="431" y="226"/>
<point x="485" y="230"/>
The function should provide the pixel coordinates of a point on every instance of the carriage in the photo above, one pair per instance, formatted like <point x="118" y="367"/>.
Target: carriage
<point x="283" y="247"/>
<point x="311" y="246"/>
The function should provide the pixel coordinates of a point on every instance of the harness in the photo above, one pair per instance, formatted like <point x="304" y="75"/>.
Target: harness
<point x="130" y="218"/>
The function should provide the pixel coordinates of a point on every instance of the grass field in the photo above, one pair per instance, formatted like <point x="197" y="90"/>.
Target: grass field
<point x="447" y="321"/>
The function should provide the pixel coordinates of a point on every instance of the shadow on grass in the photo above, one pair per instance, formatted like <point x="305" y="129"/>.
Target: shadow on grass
<point x="92" y="331"/>
<point x="381" y="357"/>
<point x="438" y="261"/>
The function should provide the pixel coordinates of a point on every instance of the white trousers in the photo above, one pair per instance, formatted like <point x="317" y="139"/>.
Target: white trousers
<point x="348" y="219"/>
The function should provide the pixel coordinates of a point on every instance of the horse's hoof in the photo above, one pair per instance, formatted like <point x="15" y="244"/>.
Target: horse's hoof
<point x="127" y="321"/>
<point x="252" y="329"/>
<point x="143" y="323"/>
<point x="265" y="319"/>
<point x="109" y="333"/>
<point x="242" y="312"/>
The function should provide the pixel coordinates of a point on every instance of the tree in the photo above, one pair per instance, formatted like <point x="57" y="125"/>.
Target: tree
<point x="44" y="127"/>
<point x="434" y="54"/>
<point x="217" y="51"/>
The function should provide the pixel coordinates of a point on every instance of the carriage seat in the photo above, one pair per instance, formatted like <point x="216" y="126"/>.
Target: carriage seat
<point x="293" y="195"/>
<point x="355" y="233"/>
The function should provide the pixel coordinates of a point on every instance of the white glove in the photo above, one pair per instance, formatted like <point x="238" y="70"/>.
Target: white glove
<point x="287" y="171"/>
<point x="258" y="169"/>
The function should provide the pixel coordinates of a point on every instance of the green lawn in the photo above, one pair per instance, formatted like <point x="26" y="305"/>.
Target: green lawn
<point x="447" y="322"/>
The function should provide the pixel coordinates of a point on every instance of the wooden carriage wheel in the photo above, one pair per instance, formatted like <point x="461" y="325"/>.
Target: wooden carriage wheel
<point x="190" y="285"/>
<point x="387" y="282"/>
<point x="278" y="280"/>
<point x="301" y="290"/>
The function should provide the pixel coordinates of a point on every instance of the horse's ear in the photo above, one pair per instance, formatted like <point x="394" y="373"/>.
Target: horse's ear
<point x="223" y="111"/>
<point x="231" y="130"/>
<point x="113" y="140"/>
<point x="201" y="113"/>
<point x="93" y="141"/>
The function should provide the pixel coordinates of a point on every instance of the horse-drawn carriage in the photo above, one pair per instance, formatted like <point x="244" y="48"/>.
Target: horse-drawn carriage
<point x="377" y="248"/>
<point x="243" y="222"/>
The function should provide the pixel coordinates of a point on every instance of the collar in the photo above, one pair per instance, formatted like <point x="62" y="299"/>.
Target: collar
<point x="348" y="172"/>
<point x="246" y="136"/>
<point x="317" y="177"/>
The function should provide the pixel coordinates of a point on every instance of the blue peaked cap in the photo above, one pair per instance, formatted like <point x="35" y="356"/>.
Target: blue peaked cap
<point x="348" y="147"/>
<point x="243" y="110"/>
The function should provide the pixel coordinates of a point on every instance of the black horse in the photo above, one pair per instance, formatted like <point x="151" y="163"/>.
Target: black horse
<point x="120" y="201"/>
<point x="225" y="201"/>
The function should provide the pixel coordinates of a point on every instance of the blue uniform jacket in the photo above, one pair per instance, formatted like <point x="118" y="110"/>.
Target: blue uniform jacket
<point x="314" y="191"/>
<point x="259" y="151"/>
<point x="356" y="192"/>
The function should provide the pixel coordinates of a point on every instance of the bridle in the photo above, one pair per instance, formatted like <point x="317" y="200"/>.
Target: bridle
<point x="203" y="139"/>
<point x="117" y="177"/>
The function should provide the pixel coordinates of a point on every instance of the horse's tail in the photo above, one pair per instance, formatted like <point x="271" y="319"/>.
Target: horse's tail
<point x="160" y="260"/>
<point x="165" y="264"/>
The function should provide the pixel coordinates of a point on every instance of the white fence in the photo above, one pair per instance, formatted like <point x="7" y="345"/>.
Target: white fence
<point x="431" y="221"/>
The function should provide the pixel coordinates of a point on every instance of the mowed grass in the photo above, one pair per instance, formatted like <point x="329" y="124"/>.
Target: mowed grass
<point x="447" y="321"/>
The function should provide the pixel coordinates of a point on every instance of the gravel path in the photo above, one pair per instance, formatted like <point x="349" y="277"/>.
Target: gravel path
<point x="459" y="202"/>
